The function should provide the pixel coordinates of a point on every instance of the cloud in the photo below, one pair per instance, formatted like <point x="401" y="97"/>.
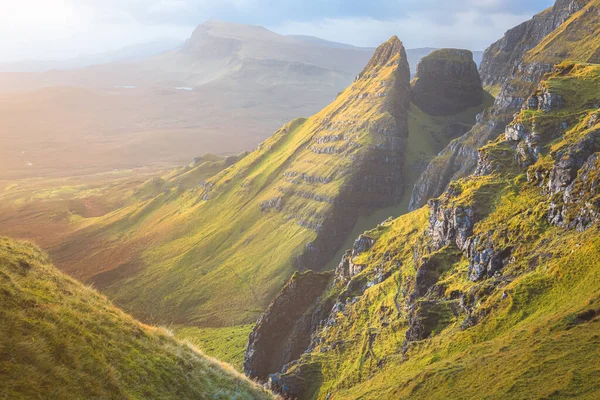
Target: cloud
<point x="468" y="29"/>
<point x="270" y="12"/>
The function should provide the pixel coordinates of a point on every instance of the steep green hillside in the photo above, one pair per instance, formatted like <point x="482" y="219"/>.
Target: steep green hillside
<point x="490" y="291"/>
<point x="62" y="340"/>
<point x="219" y="253"/>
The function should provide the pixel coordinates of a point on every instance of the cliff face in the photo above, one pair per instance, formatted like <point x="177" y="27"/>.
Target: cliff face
<point x="502" y="58"/>
<point x="222" y="248"/>
<point x="378" y="176"/>
<point x="513" y="66"/>
<point x="283" y="332"/>
<point x="504" y="264"/>
<point x="447" y="82"/>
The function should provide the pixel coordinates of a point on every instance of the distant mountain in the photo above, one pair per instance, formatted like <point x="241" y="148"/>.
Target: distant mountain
<point x="327" y="43"/>
<point x="227" y="88"/>
<point x="130" y="53"/>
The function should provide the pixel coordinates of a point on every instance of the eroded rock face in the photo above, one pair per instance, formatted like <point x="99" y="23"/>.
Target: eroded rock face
<point x="582" y="204"/>
<point x="379" y="177"/>
<point x="450" y="224"/>
<point x="347" y="268"/>
<point x="484" y="259"/>
<point x="574" y="184"/>
<point x="447" y="82"/>
<point x="283" y="332"/>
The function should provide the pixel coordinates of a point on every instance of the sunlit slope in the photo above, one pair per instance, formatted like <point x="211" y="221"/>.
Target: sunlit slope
<point x="218" y="253"/>
<point x="62" y="340"/>
<point x="490" y="291"/>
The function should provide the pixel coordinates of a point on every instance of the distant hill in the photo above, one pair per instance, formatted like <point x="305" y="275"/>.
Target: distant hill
<point x="126" y="54"/>
<point x="60" y="339"/>
<point x="227" y="89"/>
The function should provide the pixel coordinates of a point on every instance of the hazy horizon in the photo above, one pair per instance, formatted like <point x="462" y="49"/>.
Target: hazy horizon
<point x="64" y="29"/>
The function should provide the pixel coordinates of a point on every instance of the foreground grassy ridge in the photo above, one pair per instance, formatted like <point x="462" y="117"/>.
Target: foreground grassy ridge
<point x="60" y="339"/>
<point x="534" y="328"/>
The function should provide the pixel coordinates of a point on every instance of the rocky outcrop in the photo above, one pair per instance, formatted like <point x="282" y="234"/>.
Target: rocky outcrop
<point x="506" y="67"/>
<point x="347" y="269"/>
<point x="447" y="82"/>
<point x="283" y="332"/>
<point x="378" y="178"/>
<point x="484" y="259"/>
<point x="581" y="198"/>
<point x="574" y="184"/>
<point x="450" y="224"/>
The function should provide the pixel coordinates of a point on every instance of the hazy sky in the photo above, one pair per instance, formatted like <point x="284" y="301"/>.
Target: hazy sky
<point x="53" y="29"/>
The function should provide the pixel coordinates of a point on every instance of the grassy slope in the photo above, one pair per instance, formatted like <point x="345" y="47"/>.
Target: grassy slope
<point x="577" y="39"/>
<point x="227" y="344"/>
<point x="62" y="206"/>
<point x="540" y="341"/>
<point x="60" y="339"/>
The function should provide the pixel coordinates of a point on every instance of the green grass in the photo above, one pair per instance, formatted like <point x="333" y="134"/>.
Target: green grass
<point x="226" y="344"/>
<point x="60" y="339"/>
<point x="577" y="39"/>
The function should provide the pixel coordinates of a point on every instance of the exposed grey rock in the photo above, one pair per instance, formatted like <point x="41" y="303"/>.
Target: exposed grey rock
<point x="449" y="224"/>
<point x="272" y="204"/>
<point x="283" y="332"/>
<point x="362" y="244"/>
<point x="484" y="259"/>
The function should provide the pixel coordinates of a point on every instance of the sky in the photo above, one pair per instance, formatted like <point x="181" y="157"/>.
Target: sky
<point x="59" y="29"/>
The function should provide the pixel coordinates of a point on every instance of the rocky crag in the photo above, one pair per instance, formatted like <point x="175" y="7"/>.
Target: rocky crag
<point x="289" y="321"/>
<point x="497" y="277"/>
<point x="223" y="248"/>
<point x="447" y="82"/>
<point x="511" y="69"/>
